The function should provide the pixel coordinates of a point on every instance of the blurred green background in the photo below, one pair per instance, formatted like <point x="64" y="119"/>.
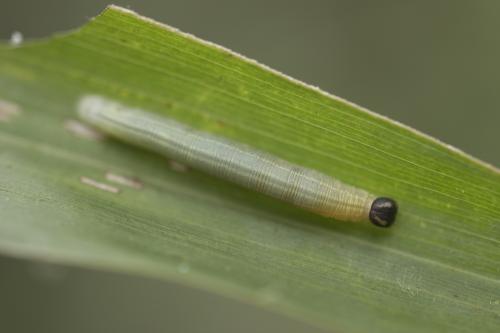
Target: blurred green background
<point x="432" y="65"/>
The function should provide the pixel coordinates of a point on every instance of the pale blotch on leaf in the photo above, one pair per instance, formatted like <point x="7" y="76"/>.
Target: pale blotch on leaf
<point x="16" y="38"/>
<point x="123" y="180"/>
<point x="8" y="110"/>
<point x="176" y="166"/>
<point x="98" y="185"/>
<point x="81" y="130"/>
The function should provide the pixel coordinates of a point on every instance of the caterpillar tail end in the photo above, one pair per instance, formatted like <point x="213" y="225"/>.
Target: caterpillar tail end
<point x="383" y="212"/>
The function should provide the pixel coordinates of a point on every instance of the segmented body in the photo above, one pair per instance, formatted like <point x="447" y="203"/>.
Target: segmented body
<point x="235" y="162"/>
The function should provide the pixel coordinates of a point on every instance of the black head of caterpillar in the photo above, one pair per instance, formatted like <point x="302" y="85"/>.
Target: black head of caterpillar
<point x="383" y="212"/>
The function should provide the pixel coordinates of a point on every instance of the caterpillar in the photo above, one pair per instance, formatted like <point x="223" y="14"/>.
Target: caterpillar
<point x="238" y="163"/>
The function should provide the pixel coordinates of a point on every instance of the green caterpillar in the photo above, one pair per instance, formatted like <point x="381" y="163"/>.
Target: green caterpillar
<point x="238" y="163"/>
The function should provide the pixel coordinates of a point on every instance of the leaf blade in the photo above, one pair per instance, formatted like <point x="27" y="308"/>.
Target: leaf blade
<point x="440" y="261"/>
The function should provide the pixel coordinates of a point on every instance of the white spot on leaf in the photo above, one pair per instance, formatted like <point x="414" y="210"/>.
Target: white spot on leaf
<point x="81" y="130"/>
<point x="16" y="38"/>
<point x="98" y="185"/>
<point x="122" y="180"/>
<point x="8" y="110"/>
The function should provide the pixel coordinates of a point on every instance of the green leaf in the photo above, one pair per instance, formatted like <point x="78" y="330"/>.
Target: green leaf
<point x="436" y="270"/>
